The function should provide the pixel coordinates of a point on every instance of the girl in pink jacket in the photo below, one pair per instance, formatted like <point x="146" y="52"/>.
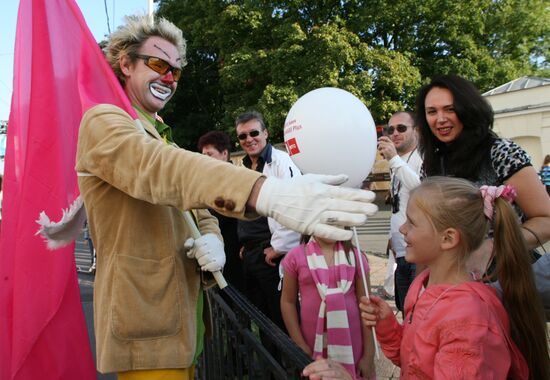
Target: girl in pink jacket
<point x="455" y="327"/>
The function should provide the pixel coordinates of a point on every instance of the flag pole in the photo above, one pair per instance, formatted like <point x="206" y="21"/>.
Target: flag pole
<point x="150" y="9"/>
<point x="365" y="285"/>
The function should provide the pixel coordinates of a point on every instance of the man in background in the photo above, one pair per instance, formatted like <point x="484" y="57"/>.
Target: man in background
<point x="264" y="241"/>
<point x="399" y="148"/>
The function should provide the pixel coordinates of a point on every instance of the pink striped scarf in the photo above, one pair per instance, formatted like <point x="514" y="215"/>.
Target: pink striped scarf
<point x="332" y="334"/>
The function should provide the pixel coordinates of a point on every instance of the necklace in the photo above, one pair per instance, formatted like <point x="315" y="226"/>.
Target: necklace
<point x="433" y="303"/>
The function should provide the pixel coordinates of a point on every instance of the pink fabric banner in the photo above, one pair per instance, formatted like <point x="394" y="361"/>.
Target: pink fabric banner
<point x="59" y="73"/>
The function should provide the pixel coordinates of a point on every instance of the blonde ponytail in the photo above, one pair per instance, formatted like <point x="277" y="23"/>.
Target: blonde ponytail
<point x="524" y="307"/>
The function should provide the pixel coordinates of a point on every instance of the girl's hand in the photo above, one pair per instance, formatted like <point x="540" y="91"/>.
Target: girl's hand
<point x="374" y="310"/>
<point x="326" y="369"/>
<point x="366" y="367"/>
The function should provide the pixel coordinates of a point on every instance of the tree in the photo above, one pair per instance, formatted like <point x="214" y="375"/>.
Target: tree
<point x="487" y="41"/>
<point x="197" y="106"/>
<point x="264" y="55"/>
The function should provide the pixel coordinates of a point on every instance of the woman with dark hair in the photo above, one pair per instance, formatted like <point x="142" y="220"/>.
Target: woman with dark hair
<point x="457" y="135"/>
<point x="457" y="140"/>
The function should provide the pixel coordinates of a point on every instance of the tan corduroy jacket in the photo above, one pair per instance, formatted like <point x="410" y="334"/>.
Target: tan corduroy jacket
<point x="146" y="289"/>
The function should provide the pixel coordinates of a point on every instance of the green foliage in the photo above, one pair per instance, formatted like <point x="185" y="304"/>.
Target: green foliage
<point x="487" y="41"/>
<point x="264" y="55"/>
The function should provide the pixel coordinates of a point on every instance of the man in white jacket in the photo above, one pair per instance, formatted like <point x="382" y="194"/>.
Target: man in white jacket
<point x="264" y="241"/>
<point x="400" y="149"/>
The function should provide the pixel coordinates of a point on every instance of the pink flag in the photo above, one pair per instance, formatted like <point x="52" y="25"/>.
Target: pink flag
<point x="59" y="73"/>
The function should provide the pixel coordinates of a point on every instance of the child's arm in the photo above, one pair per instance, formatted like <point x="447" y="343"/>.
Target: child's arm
<point x="376" y="312"/>
<point x="366" y="365"/>
<point x="289" y="296"/>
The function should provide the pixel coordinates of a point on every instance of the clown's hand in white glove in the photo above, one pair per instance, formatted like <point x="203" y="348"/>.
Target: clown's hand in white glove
<point x="313" y="204"/>
<point x="208" y="250"/>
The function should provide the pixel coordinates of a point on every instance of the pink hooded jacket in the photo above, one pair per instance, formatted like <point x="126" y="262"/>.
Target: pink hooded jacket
<point x="452" y="332"/>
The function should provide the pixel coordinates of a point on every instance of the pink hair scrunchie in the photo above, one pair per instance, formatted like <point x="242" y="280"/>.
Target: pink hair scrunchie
<point x="490" y="193"/>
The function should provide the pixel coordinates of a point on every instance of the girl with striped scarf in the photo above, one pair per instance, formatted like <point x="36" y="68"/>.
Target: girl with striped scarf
<point x="325" y="275"/>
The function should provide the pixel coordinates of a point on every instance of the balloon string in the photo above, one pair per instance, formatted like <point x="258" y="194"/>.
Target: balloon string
<point x="356" y="238"/>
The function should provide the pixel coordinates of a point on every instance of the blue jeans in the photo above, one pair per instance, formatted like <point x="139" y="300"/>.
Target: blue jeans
<point x="404" y="276"/>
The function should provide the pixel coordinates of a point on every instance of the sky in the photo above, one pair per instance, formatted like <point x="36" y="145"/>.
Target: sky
<point x="96" y="18"/>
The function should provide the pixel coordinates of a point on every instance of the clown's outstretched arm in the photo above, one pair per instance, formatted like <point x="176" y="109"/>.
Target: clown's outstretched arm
<point x="313" y="204"/>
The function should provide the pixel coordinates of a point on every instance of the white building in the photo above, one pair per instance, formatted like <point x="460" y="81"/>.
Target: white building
<point x="522" y="114"/>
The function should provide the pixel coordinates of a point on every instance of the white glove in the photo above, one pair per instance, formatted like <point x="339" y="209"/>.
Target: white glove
<point x="208" y="250"/>
<point x="309" y="205"/>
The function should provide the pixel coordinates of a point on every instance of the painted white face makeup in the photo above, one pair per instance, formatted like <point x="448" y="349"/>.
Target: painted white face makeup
<point x="160" y="91"/>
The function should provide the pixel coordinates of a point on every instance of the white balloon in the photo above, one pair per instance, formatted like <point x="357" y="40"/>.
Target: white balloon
<point x="330" y="131"/>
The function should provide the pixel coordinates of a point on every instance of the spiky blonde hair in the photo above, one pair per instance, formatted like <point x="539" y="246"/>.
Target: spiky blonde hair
<point x="128" y="39"/>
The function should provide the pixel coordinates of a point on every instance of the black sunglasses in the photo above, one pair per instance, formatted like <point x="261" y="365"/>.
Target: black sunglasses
<point x="400" y="128"/>
<point x="254" y="133"/>
<point x="159" y="65"/>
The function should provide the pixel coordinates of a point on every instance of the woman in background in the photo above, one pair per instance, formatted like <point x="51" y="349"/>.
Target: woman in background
<point x="457" y="140"/>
